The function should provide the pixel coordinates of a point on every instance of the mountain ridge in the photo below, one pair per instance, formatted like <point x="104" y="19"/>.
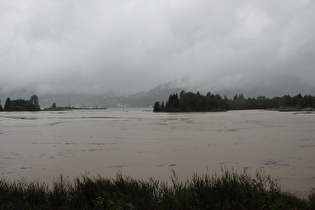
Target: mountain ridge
<point x="275" y="86"/>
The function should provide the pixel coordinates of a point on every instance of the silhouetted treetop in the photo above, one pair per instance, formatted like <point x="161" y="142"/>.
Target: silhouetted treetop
<point x="189" y="101"/>
<point x="22" y="105"/>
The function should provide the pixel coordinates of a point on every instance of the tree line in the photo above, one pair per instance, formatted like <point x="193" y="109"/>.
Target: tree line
<point x="21" y="104"/>
<point x="190" y="102"/>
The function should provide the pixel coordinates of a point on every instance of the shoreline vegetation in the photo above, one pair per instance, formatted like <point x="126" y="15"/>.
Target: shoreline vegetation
<point x="21" y="104"/>
<point x="190" y="102"/>
<point x="33" y="105"/>
<point x="230" y="190"/>
<point x="68" y="108"/>
<point x="195" y="102"/>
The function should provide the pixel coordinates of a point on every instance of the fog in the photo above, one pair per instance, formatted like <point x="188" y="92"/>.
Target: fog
<point x="127" y="46"/>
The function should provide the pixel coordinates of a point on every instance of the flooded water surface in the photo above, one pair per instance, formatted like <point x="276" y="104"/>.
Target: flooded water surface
<point x="42" y="145"/>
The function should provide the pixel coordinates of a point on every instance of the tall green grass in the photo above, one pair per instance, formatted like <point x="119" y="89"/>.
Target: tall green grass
<point x="229" y="190"/>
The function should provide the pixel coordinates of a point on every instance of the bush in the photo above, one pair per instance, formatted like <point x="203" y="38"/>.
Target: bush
<point x="231" y="190"/>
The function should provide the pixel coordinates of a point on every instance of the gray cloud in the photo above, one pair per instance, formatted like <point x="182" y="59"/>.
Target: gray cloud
<point x="127" y="46"/>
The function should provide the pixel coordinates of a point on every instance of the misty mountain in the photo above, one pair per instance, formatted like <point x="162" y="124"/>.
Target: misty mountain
<point x="142" y="99"/>
<point x="81" y="53"/>
<point x="276" y="85"/>
<point x="145" y="99"/>
<point x="61" y="99"/>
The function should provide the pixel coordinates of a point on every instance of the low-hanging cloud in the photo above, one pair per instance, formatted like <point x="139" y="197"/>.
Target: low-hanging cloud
<point x="127" y="46"/>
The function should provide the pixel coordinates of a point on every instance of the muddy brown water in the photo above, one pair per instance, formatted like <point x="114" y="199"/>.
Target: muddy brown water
<point x="43" y="145"/>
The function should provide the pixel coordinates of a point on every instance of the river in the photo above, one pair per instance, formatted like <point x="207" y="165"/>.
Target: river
<point x="43" y="145"/>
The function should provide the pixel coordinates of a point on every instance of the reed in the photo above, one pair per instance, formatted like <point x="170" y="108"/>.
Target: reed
<point x="229" y="190"/>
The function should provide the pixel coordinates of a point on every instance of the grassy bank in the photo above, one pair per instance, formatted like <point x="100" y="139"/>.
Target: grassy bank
<point x="231" y="190"/>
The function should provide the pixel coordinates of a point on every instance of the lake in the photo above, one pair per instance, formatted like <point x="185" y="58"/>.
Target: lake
<point x="42" y="145"/>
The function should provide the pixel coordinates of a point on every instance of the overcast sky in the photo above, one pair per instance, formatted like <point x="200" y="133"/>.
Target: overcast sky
<point x="126" y="46"/>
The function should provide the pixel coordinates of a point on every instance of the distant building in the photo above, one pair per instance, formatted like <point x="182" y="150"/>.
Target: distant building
<point x="122" y="105"/>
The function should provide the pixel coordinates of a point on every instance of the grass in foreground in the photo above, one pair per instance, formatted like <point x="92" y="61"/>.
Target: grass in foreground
<point x="231" y="190"/>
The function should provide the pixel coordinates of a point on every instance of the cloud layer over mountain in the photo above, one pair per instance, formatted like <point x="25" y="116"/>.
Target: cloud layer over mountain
<point x="126" y="46"/>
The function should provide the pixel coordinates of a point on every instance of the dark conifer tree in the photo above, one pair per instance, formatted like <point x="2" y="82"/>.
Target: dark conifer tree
<point x="7" y="104"/>
<point x="196" y="102"/>
<point x="54" y="106"/>
<point x="156" y="107"/>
